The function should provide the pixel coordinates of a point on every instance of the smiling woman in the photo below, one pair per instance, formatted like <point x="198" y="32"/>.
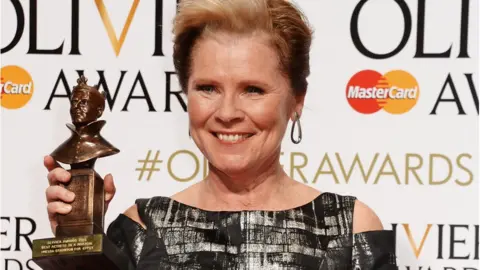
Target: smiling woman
<point x="244" y="67"/>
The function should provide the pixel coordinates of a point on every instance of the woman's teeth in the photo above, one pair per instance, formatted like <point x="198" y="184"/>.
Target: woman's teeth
<point x="232" y="137"/>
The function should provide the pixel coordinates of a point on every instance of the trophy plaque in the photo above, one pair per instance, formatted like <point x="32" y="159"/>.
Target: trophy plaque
<point x="80" y="242"/>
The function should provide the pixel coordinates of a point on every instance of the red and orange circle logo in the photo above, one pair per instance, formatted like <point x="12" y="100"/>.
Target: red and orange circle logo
<point x="395" y="92"/>
<point x="16" y="87"/>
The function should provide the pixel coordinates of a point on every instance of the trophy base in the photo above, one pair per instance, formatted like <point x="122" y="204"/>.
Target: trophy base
<point x="87" y="252"/>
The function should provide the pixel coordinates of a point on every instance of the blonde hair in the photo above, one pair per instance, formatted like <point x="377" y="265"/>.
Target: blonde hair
<point x="285" y="24"/>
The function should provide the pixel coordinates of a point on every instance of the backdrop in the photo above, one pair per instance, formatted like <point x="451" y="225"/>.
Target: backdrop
<point x="391" y="114"/>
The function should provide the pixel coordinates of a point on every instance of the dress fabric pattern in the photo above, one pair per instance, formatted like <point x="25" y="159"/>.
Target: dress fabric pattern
<point x="317" y="235"/>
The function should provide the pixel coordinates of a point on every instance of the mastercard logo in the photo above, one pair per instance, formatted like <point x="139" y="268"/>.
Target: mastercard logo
<point x="395" y="92"/>
<point x="16" y="86"/>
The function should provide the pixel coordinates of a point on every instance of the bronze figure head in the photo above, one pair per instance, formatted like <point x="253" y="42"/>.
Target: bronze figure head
<point x="87" y="103"/>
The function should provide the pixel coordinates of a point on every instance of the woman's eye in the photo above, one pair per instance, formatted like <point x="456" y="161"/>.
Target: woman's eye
<point x="206" y="88"/>
<point x="255" y="90"/>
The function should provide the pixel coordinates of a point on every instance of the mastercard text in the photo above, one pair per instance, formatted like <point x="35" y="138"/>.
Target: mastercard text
<point x="382" y="93"/>
<point x="16" y="88"/>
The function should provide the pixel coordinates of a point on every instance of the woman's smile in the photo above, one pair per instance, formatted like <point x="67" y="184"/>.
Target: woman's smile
<point x="232" y="137"/>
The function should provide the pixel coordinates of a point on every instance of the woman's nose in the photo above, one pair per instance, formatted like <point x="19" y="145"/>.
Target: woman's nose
<point x="229" y="109"/>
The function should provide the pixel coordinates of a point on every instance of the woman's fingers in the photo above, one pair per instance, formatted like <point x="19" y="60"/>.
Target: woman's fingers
<point x="59" y="193"/>
<point x="110" y="189"/>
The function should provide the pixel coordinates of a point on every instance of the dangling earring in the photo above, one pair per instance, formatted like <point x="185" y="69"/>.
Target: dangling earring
<point x="295" y="122"/>
<point x="189" y="134"/>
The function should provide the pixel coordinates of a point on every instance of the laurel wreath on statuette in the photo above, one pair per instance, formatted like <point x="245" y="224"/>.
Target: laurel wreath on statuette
<point x="82" y="82"/>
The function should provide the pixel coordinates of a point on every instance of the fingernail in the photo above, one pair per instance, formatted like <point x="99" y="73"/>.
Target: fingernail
<point x="67" y="207"/>
<point x="71" y="195"/>
<point x="65" y="175"/>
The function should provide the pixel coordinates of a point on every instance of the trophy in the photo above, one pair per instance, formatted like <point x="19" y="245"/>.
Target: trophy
<point x="79" y="241"/>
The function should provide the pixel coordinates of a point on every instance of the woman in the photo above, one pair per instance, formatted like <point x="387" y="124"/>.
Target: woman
<point x="243" y="65"/>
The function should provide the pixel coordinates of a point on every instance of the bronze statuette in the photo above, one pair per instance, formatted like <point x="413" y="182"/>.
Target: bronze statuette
<point x="80" y="242"/>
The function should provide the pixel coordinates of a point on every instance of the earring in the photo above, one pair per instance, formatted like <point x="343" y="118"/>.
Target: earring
<point x="295" y="122"/>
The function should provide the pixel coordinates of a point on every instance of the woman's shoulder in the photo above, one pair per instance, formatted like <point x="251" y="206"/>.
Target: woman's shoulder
<point x="357" y="213"/>
<point x="371" y="242"/>
<point x="365" y="219"/>
<point x="132" y="213"/>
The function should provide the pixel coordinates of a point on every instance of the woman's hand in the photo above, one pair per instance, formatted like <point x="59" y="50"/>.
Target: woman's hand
<point x="59" y="198"/>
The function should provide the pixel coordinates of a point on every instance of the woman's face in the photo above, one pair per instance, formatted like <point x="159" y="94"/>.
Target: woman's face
<point x="239" y="103"/>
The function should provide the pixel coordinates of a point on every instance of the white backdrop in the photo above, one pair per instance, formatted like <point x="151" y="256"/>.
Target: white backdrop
<point x="417" y="169"/>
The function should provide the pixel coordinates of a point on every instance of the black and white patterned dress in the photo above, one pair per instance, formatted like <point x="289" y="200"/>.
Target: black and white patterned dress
<point x="317" y="235"/>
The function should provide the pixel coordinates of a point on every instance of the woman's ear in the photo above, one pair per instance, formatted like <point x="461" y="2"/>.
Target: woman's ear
<point x="298" y="107"/>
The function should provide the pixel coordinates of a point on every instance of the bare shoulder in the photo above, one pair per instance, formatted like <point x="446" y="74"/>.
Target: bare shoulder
<point x="365" y="219"/>
<point x="132" y="213"/>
